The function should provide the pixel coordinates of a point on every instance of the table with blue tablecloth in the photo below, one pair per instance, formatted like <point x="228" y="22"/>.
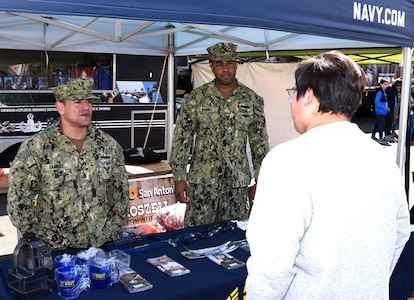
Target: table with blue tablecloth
<point x="206" y="280"/>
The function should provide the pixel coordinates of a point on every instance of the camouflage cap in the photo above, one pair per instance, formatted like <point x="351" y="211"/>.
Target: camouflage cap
<point x="222" y="51"/>
<point x="77" y="89"/>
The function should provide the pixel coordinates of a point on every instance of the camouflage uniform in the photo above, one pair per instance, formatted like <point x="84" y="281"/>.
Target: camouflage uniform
<point x="219" y="173"/>
<point x="82" y="197"/>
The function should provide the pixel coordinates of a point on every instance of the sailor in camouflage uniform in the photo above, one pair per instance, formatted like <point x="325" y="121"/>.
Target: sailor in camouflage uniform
<point x="214" y="125"/>
<point x="68" y="183"/>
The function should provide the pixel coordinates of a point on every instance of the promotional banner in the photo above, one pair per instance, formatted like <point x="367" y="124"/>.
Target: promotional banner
<point x="152" y="206"/>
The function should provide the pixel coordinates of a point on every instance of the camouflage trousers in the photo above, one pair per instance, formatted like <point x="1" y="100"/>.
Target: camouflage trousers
<point x="210" y="204"/>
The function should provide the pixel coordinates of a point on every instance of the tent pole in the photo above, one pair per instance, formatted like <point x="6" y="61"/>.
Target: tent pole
<point x="407" y="157"/>
<point x="171" y="101"/>
<point x="402" y="159"/>
<point x="171" y="90"/>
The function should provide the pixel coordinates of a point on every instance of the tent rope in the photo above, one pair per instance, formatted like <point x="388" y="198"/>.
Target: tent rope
<point x="156" y="101"/>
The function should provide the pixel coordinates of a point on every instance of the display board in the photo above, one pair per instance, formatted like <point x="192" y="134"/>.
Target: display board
<point x="151" y="205"/>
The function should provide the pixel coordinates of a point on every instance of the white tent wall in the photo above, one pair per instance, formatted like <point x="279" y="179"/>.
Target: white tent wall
<point x="269" y="81"/>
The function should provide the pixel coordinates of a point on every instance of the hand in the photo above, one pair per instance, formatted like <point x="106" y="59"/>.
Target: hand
<point x="182" y="192"/>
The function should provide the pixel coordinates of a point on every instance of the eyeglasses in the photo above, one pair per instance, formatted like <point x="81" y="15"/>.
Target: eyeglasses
<point x="290" y="93"/>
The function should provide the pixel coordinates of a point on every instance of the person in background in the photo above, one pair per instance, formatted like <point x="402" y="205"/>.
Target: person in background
<point x="381" y="110"/>
<point x="392" y="102"/>
<point x="155" y="96"/>
<point x="395" y="94"/>
<point x="68" y="183"/>
<point x="214" y="126"/>
<point x="330" y="218"/>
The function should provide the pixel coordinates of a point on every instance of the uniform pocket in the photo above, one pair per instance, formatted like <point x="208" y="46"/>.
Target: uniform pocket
<point x="56" y="175"/>
<point x="104" y="165"/>
<point x="244" y="117"/>
<point x="208" y="117"/>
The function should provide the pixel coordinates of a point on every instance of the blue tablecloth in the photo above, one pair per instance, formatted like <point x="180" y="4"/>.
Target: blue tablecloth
<point x="206" y="280"/>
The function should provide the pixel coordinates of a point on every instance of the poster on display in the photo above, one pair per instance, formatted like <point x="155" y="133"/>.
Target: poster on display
<point x="152" y="206"/>
<point x="139" y="91"/>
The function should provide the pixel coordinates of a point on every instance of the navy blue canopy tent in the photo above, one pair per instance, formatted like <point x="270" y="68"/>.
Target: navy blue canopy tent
<point x="369" y="22"/>
<point x="388" y="22"/>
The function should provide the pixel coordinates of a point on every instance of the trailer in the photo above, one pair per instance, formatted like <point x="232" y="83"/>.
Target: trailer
<point x="132" y="125"/>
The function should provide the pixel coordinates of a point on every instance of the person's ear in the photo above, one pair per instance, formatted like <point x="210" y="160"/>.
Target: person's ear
<point x="59" y="107"/>
<point x="308" y="97"/>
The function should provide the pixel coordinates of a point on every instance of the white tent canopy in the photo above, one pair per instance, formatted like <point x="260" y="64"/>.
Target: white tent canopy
<point x="373" y="21"/>
<point x="22" y="31"/>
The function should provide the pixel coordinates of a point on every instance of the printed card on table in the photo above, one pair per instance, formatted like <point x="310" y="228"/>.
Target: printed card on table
<point x="225" y="259"/>
<point x="134" y="282"/>
<point x="168" y="266"/>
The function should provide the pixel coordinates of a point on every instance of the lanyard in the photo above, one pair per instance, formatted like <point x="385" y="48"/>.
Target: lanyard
<point x="151" y="241"/>
<point x="190" y="237"/>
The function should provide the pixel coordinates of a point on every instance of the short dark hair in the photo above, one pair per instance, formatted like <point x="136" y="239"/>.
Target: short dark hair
<point x="336" y="80"/>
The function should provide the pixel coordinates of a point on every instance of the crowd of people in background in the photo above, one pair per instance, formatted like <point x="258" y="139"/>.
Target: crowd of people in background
<point x="387" y="111"/>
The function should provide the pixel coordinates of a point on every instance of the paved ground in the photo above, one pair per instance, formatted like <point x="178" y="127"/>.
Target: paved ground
<point x="8" y="234"/>
<point x="365" y="122"/>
